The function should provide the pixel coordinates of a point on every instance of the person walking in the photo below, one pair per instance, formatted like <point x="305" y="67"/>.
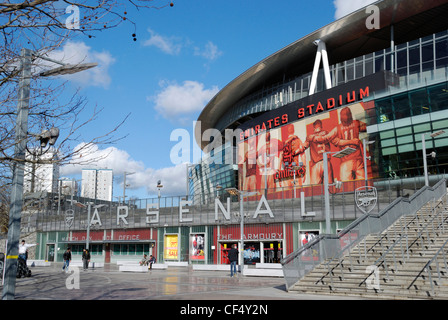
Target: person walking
<point x="85" y="259"/>
<point x="233" y="258"/>
<point x="23" y="250"/>
<point x="67" y="258"/>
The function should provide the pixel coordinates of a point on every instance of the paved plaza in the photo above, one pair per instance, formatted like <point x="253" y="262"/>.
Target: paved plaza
<point x="51" y="283"/>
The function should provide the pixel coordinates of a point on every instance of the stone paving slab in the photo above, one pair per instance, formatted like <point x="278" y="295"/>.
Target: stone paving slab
<point x="107" y="283"/>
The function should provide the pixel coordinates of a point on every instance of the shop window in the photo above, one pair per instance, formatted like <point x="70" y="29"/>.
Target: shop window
<point x="272" y="251"/>
<point x="251" y="253"/>
<point x="306" y="237"/>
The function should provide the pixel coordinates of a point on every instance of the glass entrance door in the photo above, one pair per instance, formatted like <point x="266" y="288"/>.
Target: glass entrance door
<point x="50" y="252"/>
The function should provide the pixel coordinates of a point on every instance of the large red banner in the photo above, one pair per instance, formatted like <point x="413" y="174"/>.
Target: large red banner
<point x="291" y="156"/>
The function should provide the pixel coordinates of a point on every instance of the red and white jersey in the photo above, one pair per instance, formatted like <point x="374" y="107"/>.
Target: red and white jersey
<point x="317" y="149"/>
<point x="351" y="132"/>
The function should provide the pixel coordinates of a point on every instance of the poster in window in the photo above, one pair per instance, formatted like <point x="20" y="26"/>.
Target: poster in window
<point x="171" y="248"/>
<point x="197" y="246"/>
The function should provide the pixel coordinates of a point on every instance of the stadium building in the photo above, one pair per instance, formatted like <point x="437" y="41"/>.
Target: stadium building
<point x="373" y="84"/>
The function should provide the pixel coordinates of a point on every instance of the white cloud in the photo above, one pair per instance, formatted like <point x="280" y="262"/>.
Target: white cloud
<point x="344" y="7"/>
<point x="210" y="51"/>
<point x="177" y="100"/>
<point x="173" y="178"/>
<point x="169" y="45"/>
<point x="78" y="52"/>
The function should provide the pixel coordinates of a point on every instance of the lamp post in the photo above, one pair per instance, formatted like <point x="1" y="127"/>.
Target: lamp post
<point x="19" y="160"/>
<point x="241" y="195"/>
<point x="294" y="168"/>
<point x="338" y="154"/>
<point x="124" y="184"/>
<point x="89" y="206"/>
<point x="364" y="146"/>
<point x="425" y="165"/>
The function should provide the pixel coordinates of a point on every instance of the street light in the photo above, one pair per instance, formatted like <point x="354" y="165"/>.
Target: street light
<point x="294" y="168"/>
<point x="159" y="186"/>
<point x="425" y="165"/>
<point x="124" y="184"/>
<point x="241" y="194"/>
<point x="338" y="154"/>
<point x="89" y="206"/>
<point x="364" y="146"/>
<point x="19" y="159"/>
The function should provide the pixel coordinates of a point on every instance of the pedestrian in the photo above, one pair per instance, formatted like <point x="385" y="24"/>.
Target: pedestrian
<point x="144" y="261"/>
<point x="23" y="250"/>
<point x="233" y="258"/>
<point x="85" y="259"/>
<point x="67" y="258"/>
<point x="151" y="260"/>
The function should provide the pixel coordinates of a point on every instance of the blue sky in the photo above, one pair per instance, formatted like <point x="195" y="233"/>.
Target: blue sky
<point x="182" y="57"/>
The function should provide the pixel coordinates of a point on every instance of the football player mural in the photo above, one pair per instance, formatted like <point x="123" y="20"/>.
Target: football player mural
<point x="291" y="156"/>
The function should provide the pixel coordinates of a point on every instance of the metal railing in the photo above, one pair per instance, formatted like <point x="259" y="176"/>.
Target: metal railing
<point x="329" y="248"/>
<point x="441" y="254"/>
<point x="47" y="214"/>
<point x="389" y="257"/>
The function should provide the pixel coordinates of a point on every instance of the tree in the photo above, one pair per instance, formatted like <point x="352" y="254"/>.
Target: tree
<point x="44" y="26"/>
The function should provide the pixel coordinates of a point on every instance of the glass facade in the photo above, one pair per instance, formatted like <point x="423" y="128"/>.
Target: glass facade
<point x="402" y="119"/>
<point x="415" y="61"/>
<point x="211" y="176"/>
<point x="415" y="103"/>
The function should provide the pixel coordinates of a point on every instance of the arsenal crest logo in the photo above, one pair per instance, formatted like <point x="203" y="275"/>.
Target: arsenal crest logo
<point x="365" y="198"/>
<point x="69" y="217"/>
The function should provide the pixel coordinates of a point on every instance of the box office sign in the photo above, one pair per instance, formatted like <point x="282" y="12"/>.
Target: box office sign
<point x="171" y="247"/>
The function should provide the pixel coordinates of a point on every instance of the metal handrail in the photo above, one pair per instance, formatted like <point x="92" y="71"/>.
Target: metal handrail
<point x="299" y="270"/>
<point x="427" y="266"/>
<point x="330" y="272"/>
<point x="382" y="260"/>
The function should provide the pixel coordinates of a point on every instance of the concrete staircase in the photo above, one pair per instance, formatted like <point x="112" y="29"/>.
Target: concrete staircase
<point x="390" y="265"/>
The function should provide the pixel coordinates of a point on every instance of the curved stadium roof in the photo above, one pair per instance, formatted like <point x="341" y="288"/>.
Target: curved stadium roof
<point x="345" y="39"/>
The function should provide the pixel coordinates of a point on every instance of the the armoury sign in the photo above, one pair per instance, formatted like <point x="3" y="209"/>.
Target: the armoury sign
<point x="366" y="198"/>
